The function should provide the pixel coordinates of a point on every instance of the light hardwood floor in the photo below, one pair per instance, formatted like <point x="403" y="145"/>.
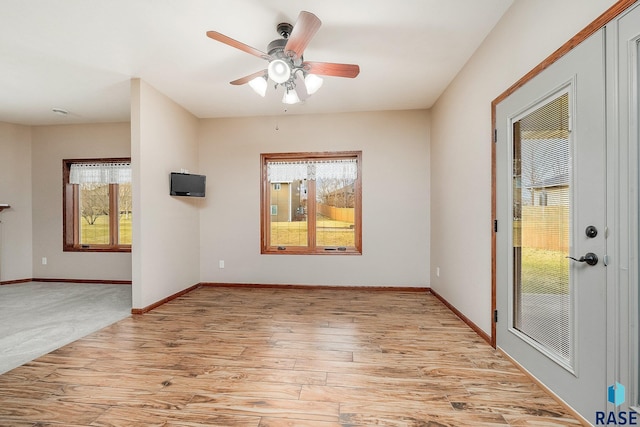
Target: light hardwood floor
<point x="279" y="357"/>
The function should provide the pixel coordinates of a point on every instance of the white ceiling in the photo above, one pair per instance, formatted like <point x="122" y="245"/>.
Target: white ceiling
<point x="79" y="55"/>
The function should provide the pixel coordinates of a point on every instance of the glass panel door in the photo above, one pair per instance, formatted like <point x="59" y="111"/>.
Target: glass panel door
<point x="541" y="228"/>
<point x="551" y="190"/>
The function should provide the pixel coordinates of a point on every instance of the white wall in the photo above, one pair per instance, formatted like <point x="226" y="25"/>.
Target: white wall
<point x="166" y="241"/>
<point x="461" y="144"/>
<point x="52" y="144"/>
<point x="15" y="189"/>
<point x="395" y="173"/>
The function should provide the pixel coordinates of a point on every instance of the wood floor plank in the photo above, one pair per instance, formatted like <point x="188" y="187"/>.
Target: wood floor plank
<point x="243" y="374"/>
<point x="371" y="417"/>
<point x="234" y="387"/>
<point x="288" y="422"/>
<point x="273" y="351"/>
<point x="48" y="410"/>
<point x="372" y="369"/>
<point x="197" y="364"/>
<point x="279" y="408"/>
<point x="250" y="357"/>
<point x="124" y="417"/>
<point x="537" y="421"/>
<point x="405" y="399"/>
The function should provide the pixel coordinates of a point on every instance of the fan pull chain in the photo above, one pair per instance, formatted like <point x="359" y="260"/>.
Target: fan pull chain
<point x="278" y="118"/>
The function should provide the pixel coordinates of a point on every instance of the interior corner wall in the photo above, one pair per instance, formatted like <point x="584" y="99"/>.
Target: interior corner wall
<point x="166" y="230"/>
<point x="15" y="189"/>
<point x="461" y="144"/>
<point x="395" y="198"/>
<point x="50" y="145"/>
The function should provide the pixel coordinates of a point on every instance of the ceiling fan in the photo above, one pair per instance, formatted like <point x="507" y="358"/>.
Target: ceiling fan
<point x="287" y="66"/>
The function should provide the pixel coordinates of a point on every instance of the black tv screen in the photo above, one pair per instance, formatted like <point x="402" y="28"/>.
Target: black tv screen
<point x="186" y="184"/>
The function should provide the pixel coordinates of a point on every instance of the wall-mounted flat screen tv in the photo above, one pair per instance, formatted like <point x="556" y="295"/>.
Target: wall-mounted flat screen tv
<point x="187" y="184"/>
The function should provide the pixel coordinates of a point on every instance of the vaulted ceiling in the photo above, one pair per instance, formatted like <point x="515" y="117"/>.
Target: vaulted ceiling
<point x="79" y="55"/>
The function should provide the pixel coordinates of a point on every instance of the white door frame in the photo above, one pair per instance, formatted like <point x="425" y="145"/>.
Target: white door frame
<point x="623" y="137"/>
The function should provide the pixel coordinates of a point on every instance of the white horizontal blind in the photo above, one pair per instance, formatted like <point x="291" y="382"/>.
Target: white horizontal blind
<point x="290" y="171"/>
<point x="542" y="227"/>
<point x="100" y="173"/>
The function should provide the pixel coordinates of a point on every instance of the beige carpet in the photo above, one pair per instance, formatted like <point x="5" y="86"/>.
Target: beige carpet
<point x="36" y="318"/>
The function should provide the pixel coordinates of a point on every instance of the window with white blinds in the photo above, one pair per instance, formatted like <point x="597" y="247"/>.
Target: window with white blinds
<point x="543" y="308"/>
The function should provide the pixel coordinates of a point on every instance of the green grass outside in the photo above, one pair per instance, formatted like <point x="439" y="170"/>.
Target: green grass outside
<point x="98" y="232"/>
<point x="544" y="271"/>
<point x="328" y="233"/>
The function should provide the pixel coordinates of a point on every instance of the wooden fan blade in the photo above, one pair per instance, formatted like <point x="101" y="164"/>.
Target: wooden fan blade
<point x="331" y="69"/>
<point x="238" y="45"/>
<point x="303" y="31"/>
<point x="247" y="79"/>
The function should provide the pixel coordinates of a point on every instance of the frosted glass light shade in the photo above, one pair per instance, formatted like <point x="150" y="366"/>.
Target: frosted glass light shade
<point x="313" y="83"/>
<point x="290" y="97"/>
<point x="259" y="85"/>
<point x="279" y="71"/>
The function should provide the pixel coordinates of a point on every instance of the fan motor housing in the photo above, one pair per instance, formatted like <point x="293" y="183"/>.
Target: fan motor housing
<point x="276" y="48"/>
<point x="284" y="29"/>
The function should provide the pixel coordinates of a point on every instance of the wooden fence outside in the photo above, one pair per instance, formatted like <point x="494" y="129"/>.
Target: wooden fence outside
<point x="338" y="214"/>
<point x="543" y="227"/>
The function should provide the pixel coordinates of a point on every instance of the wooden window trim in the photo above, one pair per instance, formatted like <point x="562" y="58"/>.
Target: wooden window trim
<point x="311" y="249"/>
<point x="70" y="205"/>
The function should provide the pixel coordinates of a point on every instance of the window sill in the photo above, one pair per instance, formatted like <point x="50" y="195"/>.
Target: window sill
<point x="96" y="248"/>
<point x="305" y="251"/>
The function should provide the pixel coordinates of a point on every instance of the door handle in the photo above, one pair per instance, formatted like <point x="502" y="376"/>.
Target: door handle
<point x="590" y="258"/>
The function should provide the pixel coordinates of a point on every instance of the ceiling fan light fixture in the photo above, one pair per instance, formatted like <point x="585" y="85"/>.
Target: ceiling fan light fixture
<point x="290" y="97"/>
<point x="313" y="83"/>
<point x="259" y="85"/>
<point x="279" y="71"/>
<point x="285" y="59"/>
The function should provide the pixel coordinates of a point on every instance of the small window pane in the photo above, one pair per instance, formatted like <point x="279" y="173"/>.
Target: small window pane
<point x="288" y="214"/>
<point x="124" y="219"/>
<point x="94" y="213"/>
<point x="335" y="212"/>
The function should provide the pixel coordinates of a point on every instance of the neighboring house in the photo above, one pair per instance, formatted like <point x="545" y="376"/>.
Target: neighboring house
<point x="553" y="191"/>
<point x="545" y="175"/>
<point x="288" y="201"/>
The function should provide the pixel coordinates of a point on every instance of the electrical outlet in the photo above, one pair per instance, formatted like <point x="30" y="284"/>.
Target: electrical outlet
<point x="437" y="271"/>
<point x="44" y="260"/>
<point x="221" y="263"/>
